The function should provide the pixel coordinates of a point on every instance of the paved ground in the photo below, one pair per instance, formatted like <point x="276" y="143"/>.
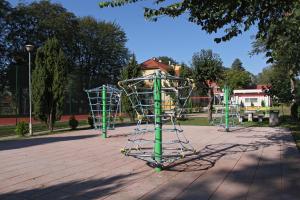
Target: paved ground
<point x="250" y="163"/>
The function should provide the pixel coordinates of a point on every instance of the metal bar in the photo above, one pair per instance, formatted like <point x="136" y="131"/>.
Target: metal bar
<point x="30" y="103"/>
<point x="226" y="93"/>
<point x="158" y="124"/>
<point x="104" y="128"/>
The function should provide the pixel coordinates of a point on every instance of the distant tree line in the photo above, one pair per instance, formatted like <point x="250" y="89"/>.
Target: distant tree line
<point x="95" y="50"/>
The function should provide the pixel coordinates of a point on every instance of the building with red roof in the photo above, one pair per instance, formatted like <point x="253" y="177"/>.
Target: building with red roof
<point x="153" y="64"/>
<point x="254" y="96"/>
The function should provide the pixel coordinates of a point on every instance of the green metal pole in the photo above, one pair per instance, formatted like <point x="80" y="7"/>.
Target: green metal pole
<point x="226" y="93"/>
<point x="104" y="120"/>
<point x="158" y="124"/>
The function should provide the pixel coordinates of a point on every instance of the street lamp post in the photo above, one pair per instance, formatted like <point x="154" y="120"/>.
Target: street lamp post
<point x="29" y="49"/>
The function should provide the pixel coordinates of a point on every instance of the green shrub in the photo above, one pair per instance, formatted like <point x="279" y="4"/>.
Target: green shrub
<point x="73" y="123"/>
<point x="22" y="128"/>
<point x="121" y="118"/>
<point x="190" y="107"/>
<point x="263" y="104"/>
<point x="91" y="121"/>
<point x="242" y="104"/>
<point x="294" y="110"/>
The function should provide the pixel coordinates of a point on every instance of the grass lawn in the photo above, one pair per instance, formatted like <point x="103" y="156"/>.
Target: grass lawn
<point x="264" y="123"/>
<point x="202" y="121"/>
<point x="10" y="130"/>
<point x="6" y="131"/>
<point x="195" y="121"/>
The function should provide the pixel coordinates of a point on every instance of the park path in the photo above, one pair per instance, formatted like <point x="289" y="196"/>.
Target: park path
<point x="247" y="163"/>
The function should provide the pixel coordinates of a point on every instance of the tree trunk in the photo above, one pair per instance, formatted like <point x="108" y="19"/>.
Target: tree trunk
<point x="50" y="121"/>
<point x="210" y="103"/>
<point x="294" y="106"/>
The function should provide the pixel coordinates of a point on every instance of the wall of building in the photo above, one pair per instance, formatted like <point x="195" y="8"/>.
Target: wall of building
<point x="256" y="100"/>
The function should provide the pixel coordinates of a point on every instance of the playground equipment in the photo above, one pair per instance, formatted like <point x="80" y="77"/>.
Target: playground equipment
<point x="158" y="99"/>
<point x="226" y="115"/>
<point x="104" y="104"/>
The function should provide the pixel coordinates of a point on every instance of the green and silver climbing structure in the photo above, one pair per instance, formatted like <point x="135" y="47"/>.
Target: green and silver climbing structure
<point x="104" y="104"/>
<point x="159" y="100"/>
<point x="226" y="115"/>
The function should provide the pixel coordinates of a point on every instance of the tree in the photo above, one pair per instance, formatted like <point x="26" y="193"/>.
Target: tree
<point x="280" y="90"/>
<point x="282" y="48"/>
<point x="232" y="16"/>
<point x="237" y="65"/>
<point x="49" y="81"/>
<point x="5" y="9"/>
<point x="185" y="71"/>
<point x="236" y="79"/>
<point x="95" y="50"/>
<point x="285" y="57"/>
<point x="34" y="24"/>
<point x="132" y="70"/>
<point x="38" y="21"/>
<point x="101" y="55"/>
<point x="265" y="76"/>
<point x="167" y="60"/>
<point x="207" y="67"/>
<point x="277" y="78"/>
<point x="102" y="51"/>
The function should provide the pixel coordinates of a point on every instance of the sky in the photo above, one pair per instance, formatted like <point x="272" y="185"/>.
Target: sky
<point x="176" y="38"/>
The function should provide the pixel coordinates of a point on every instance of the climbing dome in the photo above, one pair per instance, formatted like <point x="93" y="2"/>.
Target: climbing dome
<point x="227" y="114"/>
<point x="219" y="116"/>
<point x="104" y="104"/>
<point x="159" y="100"/>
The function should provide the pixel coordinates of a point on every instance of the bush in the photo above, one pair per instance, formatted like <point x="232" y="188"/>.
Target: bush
<point x="73" y="123"/>
<point x="263" y="104"/>
<point x="91" y="121"/>
<point x="294" y="110"/>
<point x="121" y="118"/>
<point x="242" y="104"/>
<point x="22" y="128"/>
<point x="190" y="107"/>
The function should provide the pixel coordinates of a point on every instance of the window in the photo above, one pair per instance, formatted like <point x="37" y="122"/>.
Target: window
<point x="251" y="100"/>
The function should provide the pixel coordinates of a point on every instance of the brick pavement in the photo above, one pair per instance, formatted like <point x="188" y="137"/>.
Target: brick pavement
<point x="248" y="163"/>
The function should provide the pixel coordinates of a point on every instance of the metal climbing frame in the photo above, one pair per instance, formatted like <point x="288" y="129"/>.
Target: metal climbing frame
<point x="158" y="99"/>
<point x="226" y="115"/>
<point x="104" y="104"/>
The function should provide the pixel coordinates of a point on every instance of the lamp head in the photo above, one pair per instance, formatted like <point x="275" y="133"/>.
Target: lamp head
<point x="29" y="47"/>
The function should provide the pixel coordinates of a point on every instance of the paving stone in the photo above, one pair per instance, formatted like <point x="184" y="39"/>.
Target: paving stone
<point x="247" y="163"/>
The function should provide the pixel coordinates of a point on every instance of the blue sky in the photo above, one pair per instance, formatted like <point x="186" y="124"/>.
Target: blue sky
<point x="176" y="38"/>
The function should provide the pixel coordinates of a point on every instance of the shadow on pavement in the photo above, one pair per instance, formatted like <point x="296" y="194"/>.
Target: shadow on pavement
<point x="17" y="144"/>
<point x="83" y="189"/>
<point x="210" y="154"/>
